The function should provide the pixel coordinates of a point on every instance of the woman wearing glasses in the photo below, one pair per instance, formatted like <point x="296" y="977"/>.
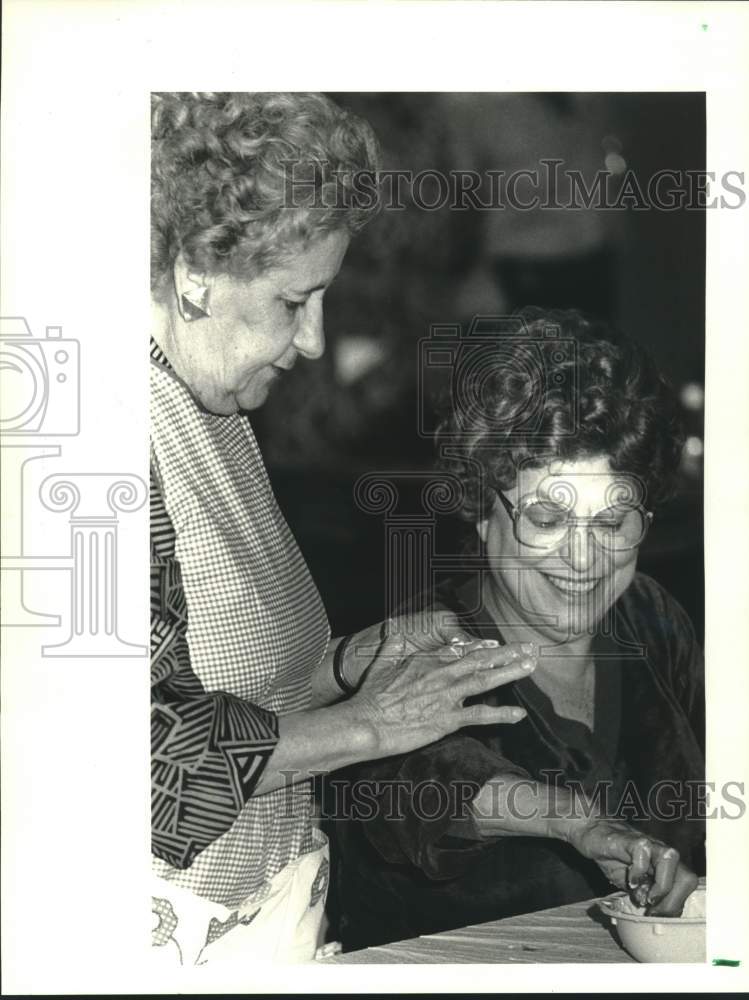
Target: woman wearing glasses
<point x="564" y="441"/>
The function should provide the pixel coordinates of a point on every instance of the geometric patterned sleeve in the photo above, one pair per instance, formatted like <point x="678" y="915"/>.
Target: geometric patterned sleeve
<point x="208" y="749"/>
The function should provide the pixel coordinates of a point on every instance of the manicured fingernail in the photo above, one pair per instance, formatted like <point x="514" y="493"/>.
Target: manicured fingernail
<point x="528" y="665"/>
<point x="489" y="643"/>
<point x="518" y="713"/>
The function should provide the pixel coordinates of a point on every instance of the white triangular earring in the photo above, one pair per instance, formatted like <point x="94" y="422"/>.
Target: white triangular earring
<point x="195" y="303"/>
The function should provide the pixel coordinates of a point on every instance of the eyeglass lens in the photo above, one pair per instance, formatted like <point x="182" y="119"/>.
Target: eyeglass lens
<point x="544" y="525"/>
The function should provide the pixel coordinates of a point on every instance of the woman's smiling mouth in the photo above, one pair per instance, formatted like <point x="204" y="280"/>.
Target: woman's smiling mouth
<point x="569" y="586"/>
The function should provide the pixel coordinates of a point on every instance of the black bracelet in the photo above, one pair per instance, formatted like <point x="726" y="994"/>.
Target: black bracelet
<point x="340" y="651"/>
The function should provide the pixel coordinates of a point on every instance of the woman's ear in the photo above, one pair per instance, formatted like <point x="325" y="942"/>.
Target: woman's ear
<point x="192" y="291"/>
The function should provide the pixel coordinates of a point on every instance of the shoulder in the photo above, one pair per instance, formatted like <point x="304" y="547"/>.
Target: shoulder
<point x="656" y="620"/>
<point x="170" y="402"/>
<point x="646" y="592"/>
<point x="648" y="607"/>
<point x="175" y="412"/>
<point x="165" y="383"/>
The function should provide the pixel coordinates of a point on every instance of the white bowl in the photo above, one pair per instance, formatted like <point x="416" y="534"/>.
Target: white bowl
<point x="659" y="939"/>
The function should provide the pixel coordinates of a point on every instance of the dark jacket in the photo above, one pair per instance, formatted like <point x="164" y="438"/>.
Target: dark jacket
<point x="422" y="868"/>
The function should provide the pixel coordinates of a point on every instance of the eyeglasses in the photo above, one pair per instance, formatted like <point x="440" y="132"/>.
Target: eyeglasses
<point x="544" y="524"/>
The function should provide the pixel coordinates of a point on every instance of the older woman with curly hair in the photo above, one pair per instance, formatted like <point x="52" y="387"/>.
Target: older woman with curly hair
<point x="254" y="200"/>
<point x="563" y="439"/>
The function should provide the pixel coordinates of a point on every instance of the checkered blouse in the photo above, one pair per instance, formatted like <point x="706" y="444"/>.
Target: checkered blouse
<point x="237" y="627"/>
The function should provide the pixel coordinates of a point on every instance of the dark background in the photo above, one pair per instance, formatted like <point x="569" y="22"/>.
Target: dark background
<point x="356" y="410"/>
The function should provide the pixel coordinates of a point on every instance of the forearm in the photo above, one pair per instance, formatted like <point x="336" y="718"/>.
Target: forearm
<point x="521" y="807"/>
<point x="402" y="702"/>
<point x="627" y="857"/>
<point x="320" y="739"/>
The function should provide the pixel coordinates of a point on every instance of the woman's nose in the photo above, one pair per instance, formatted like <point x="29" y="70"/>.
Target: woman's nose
<point x="310" y="339"/>
<point x="579" y="548"/>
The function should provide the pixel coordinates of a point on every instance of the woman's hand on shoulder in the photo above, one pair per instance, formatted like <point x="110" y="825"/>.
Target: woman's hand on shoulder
<point x="423" y="632"/>
<point x="410" y="698"/>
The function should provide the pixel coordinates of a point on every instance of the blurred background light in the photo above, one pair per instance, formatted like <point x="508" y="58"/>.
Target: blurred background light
<point x="615" y="164"/>
<point x="692" y="396"/>
<point x="355" y="357"/>
<point x="693" y="446"/>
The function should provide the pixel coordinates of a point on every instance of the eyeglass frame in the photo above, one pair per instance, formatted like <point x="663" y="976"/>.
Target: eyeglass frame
<point x="514" y="512"/>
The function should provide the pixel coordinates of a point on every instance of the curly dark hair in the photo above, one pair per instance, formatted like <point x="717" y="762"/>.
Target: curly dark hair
<point x="563" y="386"/>
<point x="221" y="170"/>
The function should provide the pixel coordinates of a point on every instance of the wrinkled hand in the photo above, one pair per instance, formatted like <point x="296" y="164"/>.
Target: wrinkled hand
<point x="429" y="630"/>
<point x="628" y="858"/>
<point x="423" y="632"/>
<point x="411" y="699"/>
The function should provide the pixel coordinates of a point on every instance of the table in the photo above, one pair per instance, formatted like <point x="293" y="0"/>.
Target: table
<point x="574" y="933"/>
